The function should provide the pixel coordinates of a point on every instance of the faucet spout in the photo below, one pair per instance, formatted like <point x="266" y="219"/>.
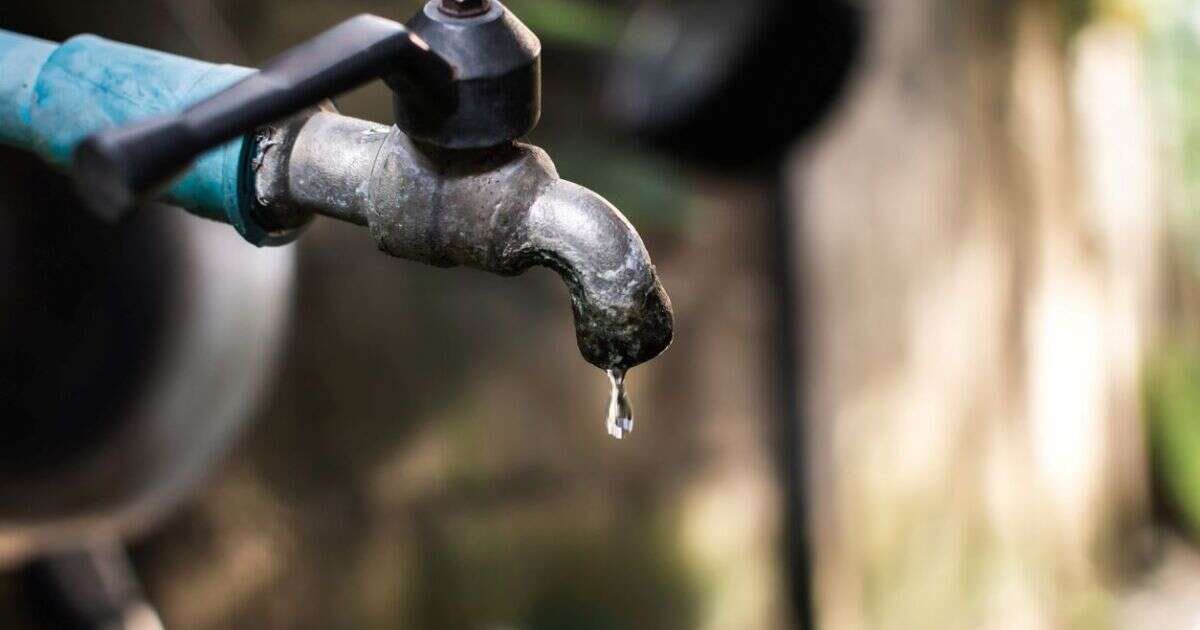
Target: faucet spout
<point x="500" y="210"/>
<point x="622" y="313"/>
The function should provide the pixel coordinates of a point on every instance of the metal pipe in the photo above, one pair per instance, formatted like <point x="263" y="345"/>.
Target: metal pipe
<point x="502" y="210"/>
<point x="334" y="176"/>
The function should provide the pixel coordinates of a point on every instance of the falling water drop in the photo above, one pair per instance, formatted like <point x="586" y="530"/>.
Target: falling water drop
<point x="620" y="414"/>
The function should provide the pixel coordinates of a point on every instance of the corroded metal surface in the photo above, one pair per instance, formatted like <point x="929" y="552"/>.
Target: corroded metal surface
<point x="503" y="210"/>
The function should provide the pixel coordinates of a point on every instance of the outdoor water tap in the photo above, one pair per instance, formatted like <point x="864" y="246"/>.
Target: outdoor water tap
<point x="447" y="185"/>
<point x="265" y="152"/>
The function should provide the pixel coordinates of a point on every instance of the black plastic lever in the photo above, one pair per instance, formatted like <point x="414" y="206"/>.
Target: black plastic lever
<point x="117" y="167"/>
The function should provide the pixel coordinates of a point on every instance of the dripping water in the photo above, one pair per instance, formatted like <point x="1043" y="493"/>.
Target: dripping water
<point x="620" y="414"/>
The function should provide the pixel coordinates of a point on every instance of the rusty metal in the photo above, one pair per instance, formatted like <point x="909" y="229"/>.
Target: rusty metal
<point x="501" y="210"/>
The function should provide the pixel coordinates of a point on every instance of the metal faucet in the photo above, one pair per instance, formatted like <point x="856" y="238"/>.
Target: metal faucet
<point x="447" y="185"/>
<point x="502" y="210"/>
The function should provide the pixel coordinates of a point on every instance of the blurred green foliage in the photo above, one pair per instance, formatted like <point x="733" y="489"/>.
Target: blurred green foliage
<point x="578" y="23"/>
<point x="553" y="570"/>
<point x="1172" y="32"/>
<point x="1077" y="13"/>
<point x="651" y="190"/>
<point x="1173" y="412"/>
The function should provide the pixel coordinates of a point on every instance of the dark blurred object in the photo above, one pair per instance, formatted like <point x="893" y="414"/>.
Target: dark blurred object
<point x="91" y="589"/>
<point x="131" y="356"/>
<point x="732" y="83"/>
<point x="68" y="357"/>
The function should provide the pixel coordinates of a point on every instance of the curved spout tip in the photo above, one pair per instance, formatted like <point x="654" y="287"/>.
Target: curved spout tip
<point x="628" y="337"/>
<point x="623" y="316"/>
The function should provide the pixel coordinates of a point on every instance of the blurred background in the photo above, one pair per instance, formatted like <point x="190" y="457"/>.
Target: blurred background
<point x="935" y="275"/>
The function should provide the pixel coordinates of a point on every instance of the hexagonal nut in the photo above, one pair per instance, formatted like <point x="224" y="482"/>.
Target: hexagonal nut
<point x="496" y="92"/>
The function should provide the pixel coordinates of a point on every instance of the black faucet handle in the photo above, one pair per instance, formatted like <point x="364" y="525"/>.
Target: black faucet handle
<point x="117" y="167"/>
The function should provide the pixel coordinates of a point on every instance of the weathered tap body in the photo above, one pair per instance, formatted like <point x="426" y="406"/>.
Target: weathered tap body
<point x="501" y="210"/>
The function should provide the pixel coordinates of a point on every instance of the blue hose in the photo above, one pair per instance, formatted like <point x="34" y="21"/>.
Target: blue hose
<point x="53" y="96"/>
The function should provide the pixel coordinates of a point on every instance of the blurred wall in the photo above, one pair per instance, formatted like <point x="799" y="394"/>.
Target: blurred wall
<point x="981" y="242"/>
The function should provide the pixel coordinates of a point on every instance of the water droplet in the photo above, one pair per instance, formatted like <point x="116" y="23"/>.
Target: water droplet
<point x="620" y="414"/>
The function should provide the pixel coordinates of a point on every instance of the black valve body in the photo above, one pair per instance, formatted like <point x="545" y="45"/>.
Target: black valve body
<point x="496" y="91"/>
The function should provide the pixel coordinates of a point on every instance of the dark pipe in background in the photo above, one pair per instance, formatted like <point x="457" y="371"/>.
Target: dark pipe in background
<point x="734" y="85"/>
